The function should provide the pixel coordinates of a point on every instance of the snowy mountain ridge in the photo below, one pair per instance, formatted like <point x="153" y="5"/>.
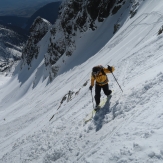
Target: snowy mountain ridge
<point x="11" y="43"/>
<point x="127" y="130"/>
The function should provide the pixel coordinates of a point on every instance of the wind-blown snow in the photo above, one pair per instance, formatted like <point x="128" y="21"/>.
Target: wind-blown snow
<point x="128" y="130"/>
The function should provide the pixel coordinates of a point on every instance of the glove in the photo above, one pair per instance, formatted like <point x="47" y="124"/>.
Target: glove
<point x="109" y="68"/>
<point x="90" y="88"/>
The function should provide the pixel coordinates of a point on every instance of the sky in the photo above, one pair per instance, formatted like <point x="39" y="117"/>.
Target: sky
<point x="128" y="129"/>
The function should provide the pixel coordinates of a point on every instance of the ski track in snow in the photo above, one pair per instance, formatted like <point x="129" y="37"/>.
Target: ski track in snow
<point x="127" y="130"/>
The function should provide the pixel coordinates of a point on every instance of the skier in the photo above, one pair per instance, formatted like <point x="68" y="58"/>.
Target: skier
<point x="99" y="75"/>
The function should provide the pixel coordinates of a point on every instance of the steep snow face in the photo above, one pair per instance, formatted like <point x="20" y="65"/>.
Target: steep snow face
<point x="10" y="47"/>
<point x="128" y="129"/>
<point x="37" y="31"/>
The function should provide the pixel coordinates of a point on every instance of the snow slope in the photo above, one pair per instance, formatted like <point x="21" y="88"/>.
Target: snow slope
<point x="129" y="130"/>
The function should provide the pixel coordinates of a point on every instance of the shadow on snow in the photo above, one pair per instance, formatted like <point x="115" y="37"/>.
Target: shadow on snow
<point x="100" y="116"/>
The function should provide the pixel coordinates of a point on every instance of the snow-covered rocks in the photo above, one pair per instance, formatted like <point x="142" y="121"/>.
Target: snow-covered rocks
<point x="37" y="31"/>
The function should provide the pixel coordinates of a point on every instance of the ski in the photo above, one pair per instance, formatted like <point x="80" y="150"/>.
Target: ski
<point x="94" y="111"/>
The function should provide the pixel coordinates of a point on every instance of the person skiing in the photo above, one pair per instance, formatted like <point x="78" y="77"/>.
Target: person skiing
<point x="99" y="75"/>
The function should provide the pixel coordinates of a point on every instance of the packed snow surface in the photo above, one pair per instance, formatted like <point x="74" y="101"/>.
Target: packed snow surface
<point x="128" y="129"/>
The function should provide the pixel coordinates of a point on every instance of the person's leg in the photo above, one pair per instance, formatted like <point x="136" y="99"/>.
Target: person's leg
<point x="106" y="89"/>
<point x="97" y="94"/>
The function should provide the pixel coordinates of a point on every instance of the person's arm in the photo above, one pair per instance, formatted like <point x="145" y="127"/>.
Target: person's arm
<point x="92" y="81"/>
<point x="110" y="69"/>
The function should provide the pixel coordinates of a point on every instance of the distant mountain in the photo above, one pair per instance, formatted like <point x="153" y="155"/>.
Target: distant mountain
<point x="48" y="12"/>
<point x="13" y="35"/>
<point x="13" y="20"/>
<point x="11" y="42"/>
<point x="22" y="8"/>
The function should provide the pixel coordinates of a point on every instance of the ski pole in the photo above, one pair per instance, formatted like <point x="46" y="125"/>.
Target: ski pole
<point x="92" y="100"/>
<point x="117" y="81"/>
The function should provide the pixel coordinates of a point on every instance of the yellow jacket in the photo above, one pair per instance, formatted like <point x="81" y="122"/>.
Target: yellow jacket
<point x="101" y="79"/>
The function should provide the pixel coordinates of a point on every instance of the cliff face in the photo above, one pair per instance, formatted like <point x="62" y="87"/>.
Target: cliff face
<point x="37" y="31"/>
<point x="75" y="17"/>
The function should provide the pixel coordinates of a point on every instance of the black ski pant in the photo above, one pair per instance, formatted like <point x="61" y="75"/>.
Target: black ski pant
<point x="98" y="92"/>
